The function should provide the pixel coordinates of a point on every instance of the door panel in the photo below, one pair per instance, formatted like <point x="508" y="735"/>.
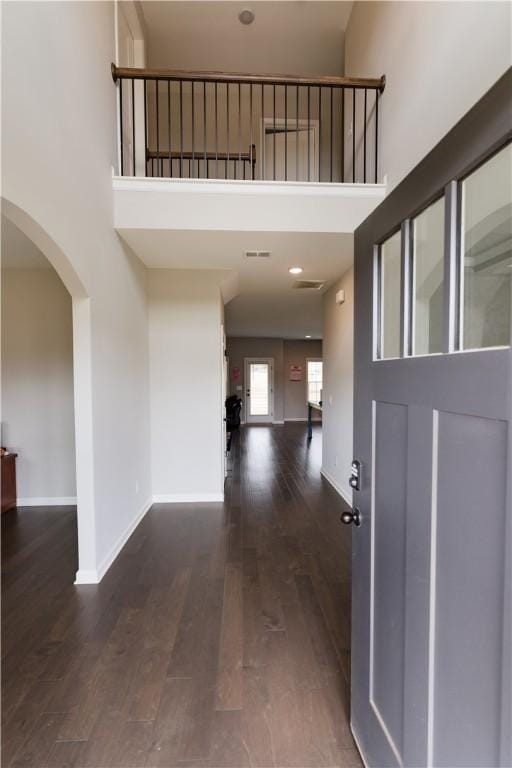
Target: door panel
<point x="468" y="589"/>
<point x="431" y="587"/>
<point x="388" y="579"/>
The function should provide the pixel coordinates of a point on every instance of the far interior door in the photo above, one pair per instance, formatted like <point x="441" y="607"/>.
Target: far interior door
<point x="259" y="390"/>
<point x="295" y="152"/>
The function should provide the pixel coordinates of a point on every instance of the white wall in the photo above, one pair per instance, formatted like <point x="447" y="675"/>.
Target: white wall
<point x="58" y="149"/>
<point x="439" y="58"/>
<point x="185" y="318"/>
<point x="37" y="384"/>
<point x="338" y="389"/>
<point x="289" y="396"/>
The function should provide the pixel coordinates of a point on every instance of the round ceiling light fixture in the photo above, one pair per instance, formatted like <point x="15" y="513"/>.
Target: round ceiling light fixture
<point x="246" y="16"/>
<point x="295" y="270"/>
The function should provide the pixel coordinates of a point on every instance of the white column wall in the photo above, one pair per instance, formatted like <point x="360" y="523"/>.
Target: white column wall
<point x="58" y="150"/>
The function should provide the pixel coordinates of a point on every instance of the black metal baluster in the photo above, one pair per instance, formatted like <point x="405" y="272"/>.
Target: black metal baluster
<point x="274" y="142"/>
<point x="250" y="126"/>
<point x="227" y="129"/>
<point x="343" y="135"/>
<point x="239" y="126"/>
<point x="309" y="132"/>
<point x="353" y="136"/>
<point x="364" y="140"/>
<point x="121" y="122"/>
<point x="133" y="125"/>
<point x="286" y="133"/>
<point x="169" y="116"/>
<point x="263" y="167"/>
<point x="319" y="133"/>
<point x="145" y="127"/>
<point x="181" y="129"/>
<point x="193" y="128"/>
<point x="216" y="134"/>
<point x="204" y="128"/>
<point x="330" y="150"/>
<point x="376" y="133"/>
<point x="157" y="126"/>
<point x="297" y="133"/>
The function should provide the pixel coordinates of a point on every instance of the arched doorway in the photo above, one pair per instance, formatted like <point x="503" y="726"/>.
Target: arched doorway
<point x="49" y="250"/>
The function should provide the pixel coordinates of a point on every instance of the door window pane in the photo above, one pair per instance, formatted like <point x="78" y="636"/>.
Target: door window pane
<point x="428" y="272"/>
<point x="259" y="402"/>
<point x="390" y="282"/>
<point x="487" y="253"/>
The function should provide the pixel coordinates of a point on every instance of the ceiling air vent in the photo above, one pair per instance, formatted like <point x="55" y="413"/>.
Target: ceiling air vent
<point x="257" y="254"/>
<point x="316" y="285"/>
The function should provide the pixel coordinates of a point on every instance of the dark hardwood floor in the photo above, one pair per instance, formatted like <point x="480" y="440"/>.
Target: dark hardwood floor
<point x="219" y="637"/>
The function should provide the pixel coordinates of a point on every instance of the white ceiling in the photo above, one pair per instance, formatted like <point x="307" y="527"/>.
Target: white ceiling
<point x="18" y="251"/>
<point x="266" y="304"/>
<point x="286" y="37"/>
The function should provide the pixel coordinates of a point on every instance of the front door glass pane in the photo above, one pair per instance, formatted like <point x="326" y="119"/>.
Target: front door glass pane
<point x="487" y="253"/>
<point x="390" y="282"/>
<point x="428" y="273"/>
<point x="259" y="398"/>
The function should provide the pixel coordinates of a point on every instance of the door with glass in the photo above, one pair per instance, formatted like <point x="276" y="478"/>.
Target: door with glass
<point x="431" y="642"/>
<point x="259" y="406"/>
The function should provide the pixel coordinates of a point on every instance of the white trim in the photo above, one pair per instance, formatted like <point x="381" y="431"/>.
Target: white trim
<point x="180" y="498"/>
<point x="279" y="422"/>
<point x="95" y="576"/>
<point x="47" y="501"/>
<point x="247" y="187"/>
<point x="345" y="495"/>
<point x="432" y="592"/>
<point x="301" y="418"/>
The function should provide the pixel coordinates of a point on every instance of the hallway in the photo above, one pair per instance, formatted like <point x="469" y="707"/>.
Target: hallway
<point x="220" y="636"/>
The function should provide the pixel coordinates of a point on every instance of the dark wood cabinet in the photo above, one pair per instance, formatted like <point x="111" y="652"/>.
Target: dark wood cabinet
<point x="8" y="481"/>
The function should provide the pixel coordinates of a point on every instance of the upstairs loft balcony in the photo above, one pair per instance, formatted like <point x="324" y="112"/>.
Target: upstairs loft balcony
<point x="213" y="125"/>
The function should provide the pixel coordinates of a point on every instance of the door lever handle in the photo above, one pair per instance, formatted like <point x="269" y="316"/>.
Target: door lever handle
<point x="351" y="517"/>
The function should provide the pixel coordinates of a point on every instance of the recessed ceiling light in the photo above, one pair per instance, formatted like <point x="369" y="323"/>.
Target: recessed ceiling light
<point x="308" y="337"/>
<point x="295" y="270"/>
<point x="246" y="16"/>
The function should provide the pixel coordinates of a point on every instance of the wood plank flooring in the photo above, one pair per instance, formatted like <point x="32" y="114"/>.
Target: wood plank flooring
<point x="218" y="639"/>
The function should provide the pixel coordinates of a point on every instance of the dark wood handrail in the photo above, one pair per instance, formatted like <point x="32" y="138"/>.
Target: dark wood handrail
<point x="132" y="73"/>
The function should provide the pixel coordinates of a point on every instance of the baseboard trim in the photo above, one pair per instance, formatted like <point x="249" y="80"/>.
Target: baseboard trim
<point x="337" y="487"/>
<point x="277" y="422"/>
<point x="47" y="501"/>
<point x="95" y="576"/>
<point x="187" y="498"/>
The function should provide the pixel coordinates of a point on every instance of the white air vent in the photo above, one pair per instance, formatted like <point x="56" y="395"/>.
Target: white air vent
<point x="257" y="254"/>
<point x="312" y="284"/>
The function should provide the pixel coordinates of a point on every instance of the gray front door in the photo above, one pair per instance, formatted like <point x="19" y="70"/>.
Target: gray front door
<point x="431" y="644"/>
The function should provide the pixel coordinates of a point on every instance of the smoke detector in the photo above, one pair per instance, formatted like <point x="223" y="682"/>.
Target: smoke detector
<point x="246" y="16"/>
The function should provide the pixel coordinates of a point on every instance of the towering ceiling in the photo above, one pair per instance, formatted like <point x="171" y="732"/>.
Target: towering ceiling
<point x="285" y="37"/>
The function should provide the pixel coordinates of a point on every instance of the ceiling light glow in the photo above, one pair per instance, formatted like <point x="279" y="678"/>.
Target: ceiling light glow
<point x="295" y="270"/>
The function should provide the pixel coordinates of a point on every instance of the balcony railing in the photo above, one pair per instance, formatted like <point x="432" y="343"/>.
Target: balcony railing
<point x="212" y="125"/>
